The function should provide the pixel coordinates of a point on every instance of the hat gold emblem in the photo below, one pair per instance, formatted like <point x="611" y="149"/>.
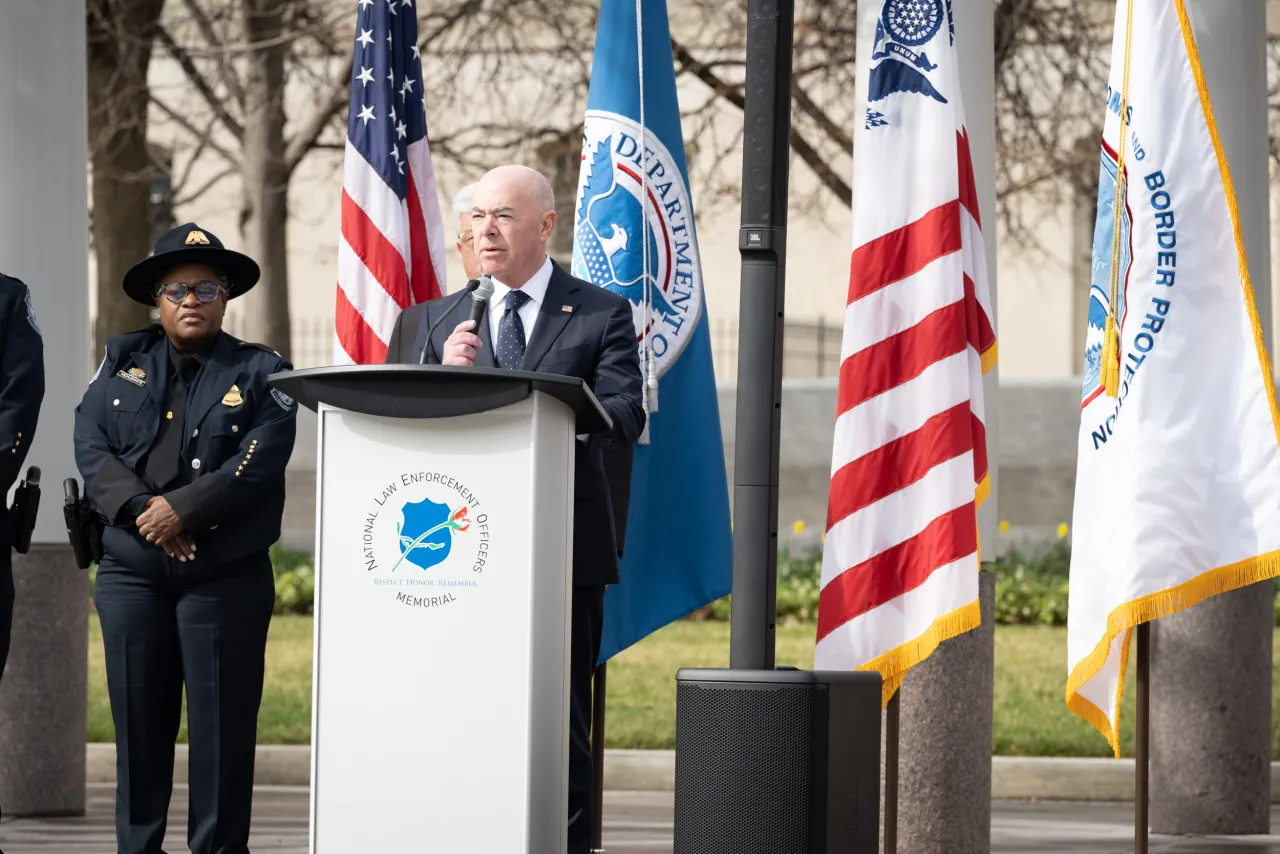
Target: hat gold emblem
<point x="197" y="237"/>
<point x="232" y="398"/>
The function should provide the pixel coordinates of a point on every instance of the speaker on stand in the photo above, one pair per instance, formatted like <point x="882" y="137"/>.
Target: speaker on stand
<point x="777" y="762"/>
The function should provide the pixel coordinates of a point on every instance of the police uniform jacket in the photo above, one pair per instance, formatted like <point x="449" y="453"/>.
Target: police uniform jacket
<point x="21" y="387"/>
<point x="238" y="435"/>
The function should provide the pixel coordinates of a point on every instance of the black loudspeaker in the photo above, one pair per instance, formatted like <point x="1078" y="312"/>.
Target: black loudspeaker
<point x="777" y="762"/>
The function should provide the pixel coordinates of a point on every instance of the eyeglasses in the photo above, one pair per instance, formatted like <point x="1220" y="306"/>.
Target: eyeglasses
<point x="176" y="292"/>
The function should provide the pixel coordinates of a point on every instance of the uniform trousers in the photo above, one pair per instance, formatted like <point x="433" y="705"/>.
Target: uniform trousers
<point x="162" y="630"/>
<point x="584" y="649"/>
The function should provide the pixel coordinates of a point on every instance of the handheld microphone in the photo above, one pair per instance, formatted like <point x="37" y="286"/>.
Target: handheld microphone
<point x="426" y="345"/>
<point x="480" y="301"/>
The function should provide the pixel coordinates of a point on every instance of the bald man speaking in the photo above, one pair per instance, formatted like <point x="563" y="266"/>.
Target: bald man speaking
<point x="542" y="319"/>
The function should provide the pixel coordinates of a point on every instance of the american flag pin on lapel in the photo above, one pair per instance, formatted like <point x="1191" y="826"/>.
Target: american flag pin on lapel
<point x="566" y="308"/>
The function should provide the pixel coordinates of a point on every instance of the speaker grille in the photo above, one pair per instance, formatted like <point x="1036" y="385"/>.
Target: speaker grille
<point x="749" y="749"/>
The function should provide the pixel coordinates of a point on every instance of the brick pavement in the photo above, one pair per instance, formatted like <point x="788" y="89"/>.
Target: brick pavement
<point x="635" y="823"/>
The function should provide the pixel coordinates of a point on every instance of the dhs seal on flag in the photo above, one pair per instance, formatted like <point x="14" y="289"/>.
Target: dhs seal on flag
<point x="619" y="185"/>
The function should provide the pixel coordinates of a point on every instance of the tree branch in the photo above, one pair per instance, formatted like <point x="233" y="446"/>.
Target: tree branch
<point x="833" y="182"/>
<point x="186" y="125"/>
<point x="202" y="86"/>
<point x="225" y="71"/>
<point x="206" y="186"/>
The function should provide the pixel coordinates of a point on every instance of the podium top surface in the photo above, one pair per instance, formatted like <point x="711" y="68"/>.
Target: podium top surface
<point x="435" y="391"/>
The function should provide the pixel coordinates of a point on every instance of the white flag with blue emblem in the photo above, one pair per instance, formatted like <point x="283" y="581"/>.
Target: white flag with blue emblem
<point x="1178" y="475"/>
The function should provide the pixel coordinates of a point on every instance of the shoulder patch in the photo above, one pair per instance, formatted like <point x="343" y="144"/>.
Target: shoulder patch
<point x="286" y="402"/>
<point x="98" y="372"/>
<point x="262" y="347"/>
<point x="31" y="313"/>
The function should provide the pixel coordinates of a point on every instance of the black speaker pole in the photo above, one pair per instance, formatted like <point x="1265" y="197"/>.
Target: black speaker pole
<point x="891" y="723"/>
<point x="598" y="685"/>
<point x="1142" y="753"/>
<point x="762" y="243"/>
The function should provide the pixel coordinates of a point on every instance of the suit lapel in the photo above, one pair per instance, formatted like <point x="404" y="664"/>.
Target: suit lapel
<point x="552" y="317"/>
<point x="213" y="382"/>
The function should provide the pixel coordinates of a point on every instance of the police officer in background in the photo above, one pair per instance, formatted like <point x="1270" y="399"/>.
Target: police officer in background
<point x="21" y="392"/>
<point x="182" y="446"/>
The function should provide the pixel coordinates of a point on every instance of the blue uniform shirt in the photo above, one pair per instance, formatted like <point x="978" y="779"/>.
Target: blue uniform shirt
<point x="238" y="435"/>
<point x="21" y="386"/>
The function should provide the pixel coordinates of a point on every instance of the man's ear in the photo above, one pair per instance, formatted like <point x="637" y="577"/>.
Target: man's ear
<point x="548" y="224"/>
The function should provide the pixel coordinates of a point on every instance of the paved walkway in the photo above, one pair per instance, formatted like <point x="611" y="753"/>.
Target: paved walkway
<point x="635" y="823"/>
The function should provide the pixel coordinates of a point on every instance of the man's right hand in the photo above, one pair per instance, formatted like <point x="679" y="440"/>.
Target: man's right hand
<point x="462" y="345"/>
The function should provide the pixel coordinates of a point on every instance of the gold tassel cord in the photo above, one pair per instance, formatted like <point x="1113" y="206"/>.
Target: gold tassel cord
<point x="1111" y="358"/>
<point x="1111" y="345"/>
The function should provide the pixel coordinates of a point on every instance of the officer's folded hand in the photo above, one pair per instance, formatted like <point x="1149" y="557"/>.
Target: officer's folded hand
<point x="162" y="527"/>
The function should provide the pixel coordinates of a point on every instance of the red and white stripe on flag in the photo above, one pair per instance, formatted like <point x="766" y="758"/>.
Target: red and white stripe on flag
<point x="909" y="459"/>
<point x="391" y="251"/>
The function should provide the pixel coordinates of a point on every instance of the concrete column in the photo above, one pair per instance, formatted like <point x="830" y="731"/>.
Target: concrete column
<point x="44" y="241"/>
<point x="944" y="764"/>
<point x="1211" y="665"/>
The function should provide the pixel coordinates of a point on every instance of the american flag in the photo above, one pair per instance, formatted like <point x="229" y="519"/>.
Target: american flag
<point x="391" y="254"/>
<point x="909" y="459"/>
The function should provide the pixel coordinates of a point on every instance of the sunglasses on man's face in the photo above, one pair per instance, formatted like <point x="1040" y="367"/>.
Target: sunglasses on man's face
<point x="176" y="292"/>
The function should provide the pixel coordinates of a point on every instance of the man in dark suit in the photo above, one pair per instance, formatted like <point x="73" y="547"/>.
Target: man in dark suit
<point x="540" y="318"/>
<point x="21" y="393"/>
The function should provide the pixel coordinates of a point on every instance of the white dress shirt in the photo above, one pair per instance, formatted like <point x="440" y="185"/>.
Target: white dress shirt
<point x="535" y="289"/>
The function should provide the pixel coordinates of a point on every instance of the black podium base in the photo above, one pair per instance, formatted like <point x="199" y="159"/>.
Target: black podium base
<point x="777" y="762"/>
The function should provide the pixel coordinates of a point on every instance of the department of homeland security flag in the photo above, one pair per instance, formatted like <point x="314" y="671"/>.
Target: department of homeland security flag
<point x="634" y="234"/>
<point x="391" y="249"/>
<point x="1178" y="476"/>
<point x="909" y="459"/>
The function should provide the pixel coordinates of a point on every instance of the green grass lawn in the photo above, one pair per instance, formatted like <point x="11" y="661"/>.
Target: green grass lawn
<point x="1031" y="718"/>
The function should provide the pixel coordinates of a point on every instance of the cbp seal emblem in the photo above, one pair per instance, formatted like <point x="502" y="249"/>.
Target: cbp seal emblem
<point x="1100" y="271"/>
<point x="898" y="64"/>
<point x="621" y="188"/>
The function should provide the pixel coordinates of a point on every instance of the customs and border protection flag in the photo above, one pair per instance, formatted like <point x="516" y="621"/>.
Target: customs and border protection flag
<point x="909" y="461"/>
<point x="634" y="234"/>
<point x="1178" y="474"/>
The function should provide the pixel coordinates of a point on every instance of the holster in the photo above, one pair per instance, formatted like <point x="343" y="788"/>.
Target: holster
<point x="84" y="525"/>
<point x="22" y="515"/>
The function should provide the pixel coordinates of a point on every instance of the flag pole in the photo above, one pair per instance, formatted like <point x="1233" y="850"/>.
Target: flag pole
<point x="891" y="722"/>
<point x="1142" y="756"/>
<point x="597" y="757"/>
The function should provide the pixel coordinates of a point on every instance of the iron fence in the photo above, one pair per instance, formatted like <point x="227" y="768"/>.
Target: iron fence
<point x="809" y="350"/>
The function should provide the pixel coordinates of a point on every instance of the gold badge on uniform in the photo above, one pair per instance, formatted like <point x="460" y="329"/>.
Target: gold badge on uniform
<point x="232" y="398"/>
<point x="137" y="376"/>
<point x="197" y="237"/>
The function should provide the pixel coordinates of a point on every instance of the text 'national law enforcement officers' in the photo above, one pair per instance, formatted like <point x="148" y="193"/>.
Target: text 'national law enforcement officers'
<point x="21" y="392"/>
<point x="182" y="446"/>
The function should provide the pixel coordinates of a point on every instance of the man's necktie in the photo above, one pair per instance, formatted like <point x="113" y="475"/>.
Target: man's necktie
<point x="166" y="454"/>
<point x="510" y="349"/>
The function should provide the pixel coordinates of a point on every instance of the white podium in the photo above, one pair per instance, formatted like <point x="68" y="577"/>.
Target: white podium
<point x="444" y="522"/>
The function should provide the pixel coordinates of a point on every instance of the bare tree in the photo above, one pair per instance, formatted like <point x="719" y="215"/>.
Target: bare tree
<point x="119" y="36"/>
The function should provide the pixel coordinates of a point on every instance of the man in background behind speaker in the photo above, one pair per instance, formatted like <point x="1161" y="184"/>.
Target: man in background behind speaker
<point x="462" y="219"/>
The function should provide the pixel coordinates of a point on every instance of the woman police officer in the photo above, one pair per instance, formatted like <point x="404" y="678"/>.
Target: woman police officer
<point x="182" y="446"/>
